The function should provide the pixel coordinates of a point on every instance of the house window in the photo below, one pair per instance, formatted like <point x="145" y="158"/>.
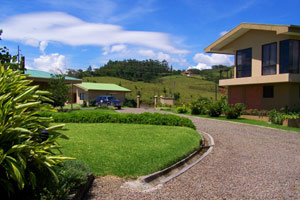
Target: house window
<point x="289" y="56"/>
<point x="269" y="59"/>
<point x="243" y="63"/>
<point x="268" y="91"/>
<point x="81" y="96"/>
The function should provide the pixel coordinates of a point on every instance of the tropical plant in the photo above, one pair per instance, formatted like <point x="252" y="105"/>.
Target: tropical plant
<point x="23" y="152"/>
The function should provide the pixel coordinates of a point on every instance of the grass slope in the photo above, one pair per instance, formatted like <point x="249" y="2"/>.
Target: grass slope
<point x="128" y="150"/>
<point x="190" y="88"/>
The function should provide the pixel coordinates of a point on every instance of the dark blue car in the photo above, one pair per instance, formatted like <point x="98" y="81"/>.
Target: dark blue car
<point x="109" y="101"/>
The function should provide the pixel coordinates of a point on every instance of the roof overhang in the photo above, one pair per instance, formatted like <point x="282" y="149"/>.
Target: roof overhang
<point x="40" y="79"/>
<point x="216" y="47"/>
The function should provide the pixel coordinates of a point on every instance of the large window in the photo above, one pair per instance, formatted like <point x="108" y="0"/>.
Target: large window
<point x="269" y="59"/>
<point x="289" y="56"/>
<point x="243" y="63"/>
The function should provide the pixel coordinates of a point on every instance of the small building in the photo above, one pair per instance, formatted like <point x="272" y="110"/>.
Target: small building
<point x="267" y="65"/>
<point x="42" y="79"/>
<point x="186" y="73"/>
<point x="89" y="92"/>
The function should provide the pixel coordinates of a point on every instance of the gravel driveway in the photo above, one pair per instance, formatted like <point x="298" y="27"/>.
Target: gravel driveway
<point x="247" y="162"/>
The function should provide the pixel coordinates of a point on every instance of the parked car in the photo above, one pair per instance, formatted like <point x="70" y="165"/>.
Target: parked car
<point x="109" y="101"/>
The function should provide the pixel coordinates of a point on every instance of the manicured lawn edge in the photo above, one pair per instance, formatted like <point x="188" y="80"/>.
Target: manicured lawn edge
<point x="247" y="121"/>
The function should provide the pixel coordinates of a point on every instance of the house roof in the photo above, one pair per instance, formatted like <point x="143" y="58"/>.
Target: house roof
<point x="102" y="86"/>
<point x="216" y="47"/>
<point x="46" y="75"/>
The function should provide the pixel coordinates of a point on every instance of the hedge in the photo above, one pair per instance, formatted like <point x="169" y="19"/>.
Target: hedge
<point x="98" y="117"/>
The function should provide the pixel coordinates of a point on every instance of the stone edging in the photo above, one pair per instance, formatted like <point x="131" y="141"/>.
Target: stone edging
<point x="145" y="184"/>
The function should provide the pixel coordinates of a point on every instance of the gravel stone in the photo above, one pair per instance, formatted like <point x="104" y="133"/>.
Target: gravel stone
<point x="247" y="162"/>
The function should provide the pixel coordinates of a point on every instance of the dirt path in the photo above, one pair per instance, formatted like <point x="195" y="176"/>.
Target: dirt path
<point x="247" y="162"/>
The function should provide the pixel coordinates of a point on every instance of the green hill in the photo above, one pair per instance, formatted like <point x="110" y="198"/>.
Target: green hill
<point x="190" y="88"/>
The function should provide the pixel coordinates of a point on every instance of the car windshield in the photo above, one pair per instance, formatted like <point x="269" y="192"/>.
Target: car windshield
<point x="110" y="98"/>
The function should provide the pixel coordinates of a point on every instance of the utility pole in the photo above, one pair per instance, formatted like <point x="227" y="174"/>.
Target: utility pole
<point x="173" y="87"/>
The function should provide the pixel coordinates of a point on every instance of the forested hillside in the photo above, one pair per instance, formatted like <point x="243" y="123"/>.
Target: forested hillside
<point x="134" y="70"/>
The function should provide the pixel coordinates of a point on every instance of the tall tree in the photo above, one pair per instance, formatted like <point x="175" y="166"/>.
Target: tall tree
<point x="59" y="90"/>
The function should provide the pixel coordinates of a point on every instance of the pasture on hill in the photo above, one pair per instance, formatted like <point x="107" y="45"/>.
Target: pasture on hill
<point x="190" y="88"/>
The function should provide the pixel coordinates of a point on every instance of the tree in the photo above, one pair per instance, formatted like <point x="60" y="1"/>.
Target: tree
<point x="165" y="91"/>
<point x="59" y="90"/>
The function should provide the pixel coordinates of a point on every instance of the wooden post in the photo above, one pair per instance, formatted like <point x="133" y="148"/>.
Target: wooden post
<point x="155" y="101"/>
<point x="138" y="101"/>
<point x="72" y="95"/>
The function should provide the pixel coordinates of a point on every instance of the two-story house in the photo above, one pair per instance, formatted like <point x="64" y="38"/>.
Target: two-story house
<point x="266" y="72"/>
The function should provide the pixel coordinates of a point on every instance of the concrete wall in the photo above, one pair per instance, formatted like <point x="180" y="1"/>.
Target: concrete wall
<point x="167" y="100"/>
<point x="285" y="94"/>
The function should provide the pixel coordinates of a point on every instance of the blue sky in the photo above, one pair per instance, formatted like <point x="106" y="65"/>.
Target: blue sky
<point x="59" y="34"/>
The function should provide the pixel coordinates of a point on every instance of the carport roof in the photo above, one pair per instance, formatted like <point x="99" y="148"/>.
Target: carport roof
<point x="102" y="86"/>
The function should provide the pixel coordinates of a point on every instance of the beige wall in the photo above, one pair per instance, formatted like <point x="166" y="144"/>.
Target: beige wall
<point x="167" y="100"/>
<point x="255" y="39"/>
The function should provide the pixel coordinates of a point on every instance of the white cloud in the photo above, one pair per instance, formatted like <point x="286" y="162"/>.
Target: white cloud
<point x="43" y="45"/>
<point x="206" y="61"/>
<point x="118" y="48"/>
<point x="34" y="28"/>
<point x="54" y="63"/>
<point x="153" y="55"/>
<point x="223" y="33"/>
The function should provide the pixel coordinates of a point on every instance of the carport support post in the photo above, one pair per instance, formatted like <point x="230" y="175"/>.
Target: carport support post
<point x="155" y="101"/>
<point x="71" y="95"/>
<point x="138" y="101"/>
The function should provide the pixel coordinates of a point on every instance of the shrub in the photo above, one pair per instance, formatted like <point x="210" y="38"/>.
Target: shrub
<point x="233" y="111"/>
<point x="23" y="153"/>
<point x="181" y="109"/>
<point x="199" y="108"/>
<point x="92" y="116"/>
<point x="130" y="103"/>
<point x="276" y="117"/>
<point x="215" y="108"/>
<point x="71" y="174"/>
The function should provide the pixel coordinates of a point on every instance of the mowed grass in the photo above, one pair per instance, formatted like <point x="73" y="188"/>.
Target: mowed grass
<point x="128" y="150"/>
<point x="190" y="88"/>
<point x="247" y="121"/>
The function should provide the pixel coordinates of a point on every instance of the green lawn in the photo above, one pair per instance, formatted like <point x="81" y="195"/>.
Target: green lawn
<point x="249" y="121"/>
<point x="128" y="150"/>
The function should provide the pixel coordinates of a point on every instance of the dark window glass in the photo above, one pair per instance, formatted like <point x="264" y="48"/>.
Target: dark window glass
<point x="268" y="91"/>
<point x="81" y="95"/>
<point x="269" y="59"/>
<point x="289" y="56"/>
<point x="243" y="63"/>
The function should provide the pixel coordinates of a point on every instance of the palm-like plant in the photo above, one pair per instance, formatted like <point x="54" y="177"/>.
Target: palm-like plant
<point x="22" y="151"/>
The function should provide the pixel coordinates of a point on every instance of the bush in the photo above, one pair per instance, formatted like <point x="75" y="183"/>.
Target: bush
<point x="276" y="117"/>
<point x="23" y="153"/>
<point x="71" y="174"/>
<point x="233" y="111"/>
<point x="215" y="108"/>
<point x="181" y="109"/>
<point x="130" y="103"/>
<point x="92" y="116"/>
<point x="199" y="108"/>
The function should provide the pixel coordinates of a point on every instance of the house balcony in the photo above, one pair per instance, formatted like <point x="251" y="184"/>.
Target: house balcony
<point x="267" y="79"/>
